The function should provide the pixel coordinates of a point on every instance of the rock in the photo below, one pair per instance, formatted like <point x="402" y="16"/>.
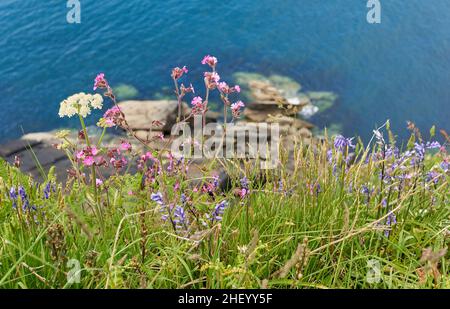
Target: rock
<point x="141" y="114"/>
<point x="42" y="137"/>
<point x="293" y="122"/>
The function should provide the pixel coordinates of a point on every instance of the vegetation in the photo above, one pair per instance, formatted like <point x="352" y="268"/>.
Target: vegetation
<point x="346" y="216"/>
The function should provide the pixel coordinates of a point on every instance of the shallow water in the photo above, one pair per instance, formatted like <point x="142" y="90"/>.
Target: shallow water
<point x="399" y="69"/>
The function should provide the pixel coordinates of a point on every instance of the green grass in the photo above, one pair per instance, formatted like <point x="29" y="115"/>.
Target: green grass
<point x="294" y="238"/>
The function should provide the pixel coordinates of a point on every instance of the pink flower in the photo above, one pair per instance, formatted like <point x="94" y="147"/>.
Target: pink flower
<point x="223" y="87"/>
<point x="130" y="193"/>
<point x="88" y="161"/>
<point x="197" y="102"/>
<point x="236" y="108"/>
<point x="100" y="81"/>
<point x="177" y="72"/>
<point x="176" y="187"/>
<point x="93" y="150"/>
<point x="210" y="60"/>
<point x="211" y="79"/>
<point x="80" y="154"/>
<point x="237" y="88"/>
<point x="197" y="105"/>
<point x="125" y="146"/>
<point x="185" y="90"/>
<point x="113" y="117"/>
<point x="98" y="182"/>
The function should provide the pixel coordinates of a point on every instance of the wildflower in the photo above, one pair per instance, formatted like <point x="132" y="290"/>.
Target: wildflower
<point x="80" y="104"/>
<point x="236" y="108"/>
<point x="211" y="79"/>
<point x="197" y="105"/>
<point x="48" y="189"/>
<point x="180" y="218"/>
<point x="13" y="197"/>
<point x="433" y="145"/>
<point x="112" y="117"/>
<point x="177" y="73"/>
<point x="157" y="198"/>
<point x="445" y="165"/>
<point x="390" y="221"/>
<point x="125" y="146"/>
<point x="98" y="182"/>
<point x="367" y="191"/>
<point x="433" y="176"/>
<point x="342" y="143"/>
<point x="218" y="211"/>
<point x="89" y="156"/>
<point x="210" y="60"/>
<point x="244" y="190"/>
<point x="224" y="88"/>
<point x="100" y="82"/>
<point x="185" y="90"/>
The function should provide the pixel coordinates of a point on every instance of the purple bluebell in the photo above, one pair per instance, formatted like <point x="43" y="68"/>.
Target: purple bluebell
<point x="390" y="221"/>
<point x="432" y="176"/>
<point x="433" y="145"/>
<point x="341" y="143"/>
<point x="183" y="198"/>
<point x="218" y="211"/>
<point x="445" y="165"/>
<point x="47" y="190"/>
<point x="13" y="197"/>
<point x="180" y="217"/>
<point x="158" y="198"/>
<point x="244" y="183"/>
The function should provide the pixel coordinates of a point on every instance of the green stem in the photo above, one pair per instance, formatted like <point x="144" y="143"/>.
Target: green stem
<point x="93" y="177"/>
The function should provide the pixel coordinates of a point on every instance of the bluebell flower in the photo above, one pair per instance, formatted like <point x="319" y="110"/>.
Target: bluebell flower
<point x="390" y="221"/>
<point x="244" y="183"/>
<point x="13" y="197"/>
<point x="433" y="176"/>
<point x="180" y="217"/>
<point x="158" y="198"/>
<point x="218" y="211"/>
<point x="341" y="143"/>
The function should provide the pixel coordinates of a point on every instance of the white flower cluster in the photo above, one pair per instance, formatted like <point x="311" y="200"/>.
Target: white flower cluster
<point x="80" y="103"/>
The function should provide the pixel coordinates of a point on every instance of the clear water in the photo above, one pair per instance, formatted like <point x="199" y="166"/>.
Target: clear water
<point x="398" y="70"/>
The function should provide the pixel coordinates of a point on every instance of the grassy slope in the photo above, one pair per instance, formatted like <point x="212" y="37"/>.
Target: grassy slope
<point x="123" y="243"/>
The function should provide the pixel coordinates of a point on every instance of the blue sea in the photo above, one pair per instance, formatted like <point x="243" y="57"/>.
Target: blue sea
<point x="397" y="70"/>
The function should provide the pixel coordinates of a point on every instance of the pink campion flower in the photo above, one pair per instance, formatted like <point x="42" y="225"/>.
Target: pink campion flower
<point x="197" y="105"/>
<point x="177" y="73"/>
<point x="185" y="89"/>
<point x="113" y="117"/>
<point x="100" y="82"/>
<point x="197" y="102"/>
<point x="211" y="79"/>
<point x="125" y="146"/>
<point x="176" y="187"/>
<point x="210" y="60"/>
<point x="223" y="87"/>
<point x="243" y="193"/>
<point x="236" y="108"/>
<point x="88" y="161"/>
<point x="93" y="150"/>
<point x="98" y="182"/>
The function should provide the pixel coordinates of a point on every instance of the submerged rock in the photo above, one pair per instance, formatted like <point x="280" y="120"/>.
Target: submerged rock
<point x="125" y="92"/>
